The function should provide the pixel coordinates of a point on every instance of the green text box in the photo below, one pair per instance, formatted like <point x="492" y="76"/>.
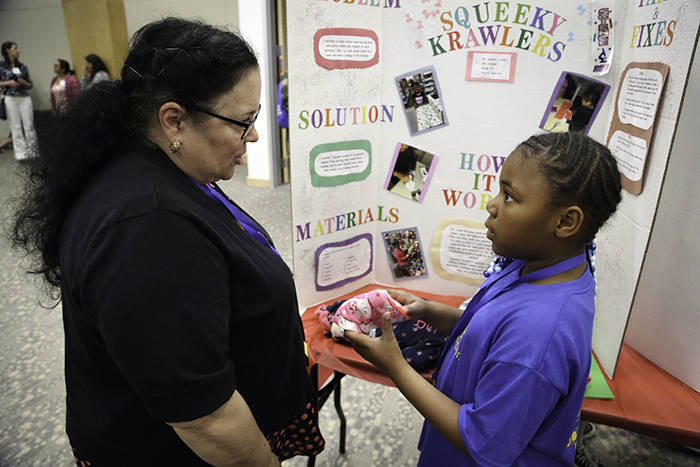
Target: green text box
<point x="333" y="164"/>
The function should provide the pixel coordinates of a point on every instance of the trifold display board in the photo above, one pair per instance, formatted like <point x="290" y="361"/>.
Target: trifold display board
<point x="402" y="113"/>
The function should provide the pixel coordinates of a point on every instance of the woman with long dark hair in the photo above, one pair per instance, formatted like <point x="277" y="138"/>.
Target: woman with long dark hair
<point x="184" y="344"/>
<point x="95" y="71"/>
<point x="15" y="84"/>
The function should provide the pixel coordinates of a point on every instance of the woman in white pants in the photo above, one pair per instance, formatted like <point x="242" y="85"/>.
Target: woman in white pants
<point x="15" y="84"/>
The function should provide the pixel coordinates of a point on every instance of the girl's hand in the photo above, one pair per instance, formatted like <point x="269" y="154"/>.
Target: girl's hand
<point x="382" y="352"/>
<point x="440" y="316"/>
<point x="416" y="308"/>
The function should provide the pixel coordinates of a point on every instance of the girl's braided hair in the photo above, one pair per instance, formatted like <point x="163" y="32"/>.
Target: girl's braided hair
<point x="580" y="171"/>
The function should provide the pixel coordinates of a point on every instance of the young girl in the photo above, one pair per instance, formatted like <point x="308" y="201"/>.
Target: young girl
<point x="510" y="383"/>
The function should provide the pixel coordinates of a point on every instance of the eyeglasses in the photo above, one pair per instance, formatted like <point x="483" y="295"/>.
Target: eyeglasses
<point x="246" y="125"/>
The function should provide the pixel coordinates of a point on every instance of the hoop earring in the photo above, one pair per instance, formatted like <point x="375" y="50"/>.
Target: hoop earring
<point x="174" y="147"/>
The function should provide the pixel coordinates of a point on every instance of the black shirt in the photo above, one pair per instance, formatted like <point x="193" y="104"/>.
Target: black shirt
<point x="169" y="306"/>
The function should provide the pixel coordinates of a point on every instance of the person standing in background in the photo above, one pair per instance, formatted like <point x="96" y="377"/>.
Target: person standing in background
<point x="95" y="71"/>
<point x="64" y="86"/>
<point x="15" y="84"/>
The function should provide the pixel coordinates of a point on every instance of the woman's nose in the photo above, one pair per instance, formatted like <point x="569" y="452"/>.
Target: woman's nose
<point x="252" y="135"/>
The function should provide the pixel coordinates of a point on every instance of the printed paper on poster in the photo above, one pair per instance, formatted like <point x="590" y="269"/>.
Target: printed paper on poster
<point x="343" y="262"/>
<point x="491" y="66"/>
<point x="460" y="251"/>
<point x="339" y="48"/>
<point x="632" y="126"/>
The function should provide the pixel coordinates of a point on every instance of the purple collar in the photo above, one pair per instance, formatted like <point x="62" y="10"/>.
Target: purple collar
<point x="245" y="222"/>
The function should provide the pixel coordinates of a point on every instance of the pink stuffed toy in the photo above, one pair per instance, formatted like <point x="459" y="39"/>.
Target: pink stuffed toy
<point x="363" y="313"/>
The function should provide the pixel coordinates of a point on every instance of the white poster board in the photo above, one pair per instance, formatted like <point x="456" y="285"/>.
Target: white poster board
<point x="665" y="324"/>
<point x="489" y="75"/>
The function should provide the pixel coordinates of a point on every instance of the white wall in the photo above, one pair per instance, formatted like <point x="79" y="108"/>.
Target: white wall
<point x="39" y="29"/>
<point x="219" y="12"/>
<point x="256" y="30"/>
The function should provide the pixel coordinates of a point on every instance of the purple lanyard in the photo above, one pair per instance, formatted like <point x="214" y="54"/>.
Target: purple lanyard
<point x="488" y="293"/>
<point x="243" y="220"/>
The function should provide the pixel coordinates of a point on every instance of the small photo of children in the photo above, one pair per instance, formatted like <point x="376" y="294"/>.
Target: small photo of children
<point x="420" y="94"/>
<point x="410" y="172"/>
<point x="405" y="253"/>
<point x="574" y="104"/>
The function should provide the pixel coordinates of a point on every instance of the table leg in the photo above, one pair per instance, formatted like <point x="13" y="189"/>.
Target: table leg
<point x="339" y="411"/>
<point x="324" y="393"/>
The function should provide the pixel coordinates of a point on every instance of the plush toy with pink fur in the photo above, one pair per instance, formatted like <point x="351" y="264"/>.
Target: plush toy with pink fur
<point x="362" y="313"/>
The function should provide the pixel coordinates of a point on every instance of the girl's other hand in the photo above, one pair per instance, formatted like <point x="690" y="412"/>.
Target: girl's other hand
<point x="382" y="352"/>
<point x="440" y="316"/>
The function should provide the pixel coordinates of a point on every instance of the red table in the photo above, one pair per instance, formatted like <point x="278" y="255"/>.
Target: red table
<point x="647" y="400"/>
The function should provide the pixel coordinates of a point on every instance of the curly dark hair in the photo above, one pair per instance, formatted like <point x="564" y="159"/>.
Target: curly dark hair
<point x="580" y="171"/>
<point x="172" y="59"/>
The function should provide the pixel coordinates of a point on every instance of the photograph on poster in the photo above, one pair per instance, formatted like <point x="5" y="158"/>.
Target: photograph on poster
<point x="574" y="104"/>
<point x="405" y="253"/>
<point x="420" y="94"/>
<point x="410" y="172"/>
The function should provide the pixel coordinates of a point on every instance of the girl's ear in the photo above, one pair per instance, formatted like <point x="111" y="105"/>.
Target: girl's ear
<point x="570" y="222"/>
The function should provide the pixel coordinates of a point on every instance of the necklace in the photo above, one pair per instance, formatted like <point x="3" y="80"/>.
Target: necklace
<point x="498" y="264"/>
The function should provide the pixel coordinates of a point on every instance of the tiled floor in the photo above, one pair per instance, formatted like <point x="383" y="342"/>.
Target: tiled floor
<point x="383" y="428"/>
